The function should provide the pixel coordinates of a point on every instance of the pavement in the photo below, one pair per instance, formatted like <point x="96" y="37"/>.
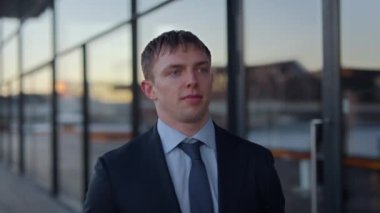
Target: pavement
<point x="20" y="195"/>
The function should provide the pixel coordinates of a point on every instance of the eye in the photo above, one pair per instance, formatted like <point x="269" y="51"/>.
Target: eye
<point x="203" y="70"/>
<point x="174" y="72"/>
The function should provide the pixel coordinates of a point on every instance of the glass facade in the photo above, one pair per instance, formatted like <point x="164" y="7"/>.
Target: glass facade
<point x="10" y="60"/>
<point x="3" y="122"/>
<point x="145" y="5"/>
<point x="6" y="147"/>
<point x="361" y="88"/>
<point x="283" y="63"/>
<point x="9" y="26"/>
<point x="110" y="96"/>
<point x="69" y="88"/>
<point x="37" y="126"/>
<point x="81" y="20"/>
<point x="14" y="124"/>
<point x="90" y="110"/>
<point x="37" y="38"/>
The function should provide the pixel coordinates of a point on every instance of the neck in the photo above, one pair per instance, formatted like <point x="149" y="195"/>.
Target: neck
<point x="187" y="128"/>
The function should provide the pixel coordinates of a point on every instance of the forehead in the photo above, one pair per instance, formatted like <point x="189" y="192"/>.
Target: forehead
<point x="179" y="58"/>
<point x="182" y="48"/>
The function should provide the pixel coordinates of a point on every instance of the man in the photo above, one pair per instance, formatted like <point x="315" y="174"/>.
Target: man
<point x="185" y="163"/>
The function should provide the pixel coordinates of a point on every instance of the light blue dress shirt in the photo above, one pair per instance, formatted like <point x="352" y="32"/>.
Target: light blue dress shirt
<point x="179" y="163"/>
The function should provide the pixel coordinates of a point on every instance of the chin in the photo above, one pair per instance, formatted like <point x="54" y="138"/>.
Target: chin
<point x="194" y="118"/>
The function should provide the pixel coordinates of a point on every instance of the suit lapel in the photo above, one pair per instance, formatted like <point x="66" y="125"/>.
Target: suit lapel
<point x="231" y="169"/>
<point x="162" y="186"/>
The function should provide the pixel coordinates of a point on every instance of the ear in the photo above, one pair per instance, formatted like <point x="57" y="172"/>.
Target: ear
<point x="148" y="90"/>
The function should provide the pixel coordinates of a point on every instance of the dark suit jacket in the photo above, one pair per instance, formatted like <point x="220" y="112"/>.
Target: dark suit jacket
<point x="135" y="178"/>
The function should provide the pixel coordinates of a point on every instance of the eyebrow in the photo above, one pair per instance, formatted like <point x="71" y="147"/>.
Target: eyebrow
<point x="202" y="63"/>
<point x="182" y="65"/>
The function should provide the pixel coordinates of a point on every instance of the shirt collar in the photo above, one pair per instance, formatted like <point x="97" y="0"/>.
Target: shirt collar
<point x="171" y="137"/>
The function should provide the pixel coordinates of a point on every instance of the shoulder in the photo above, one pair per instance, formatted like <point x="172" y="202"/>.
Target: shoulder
<point x="129" y="151"/>
<point x="251" y="148"/>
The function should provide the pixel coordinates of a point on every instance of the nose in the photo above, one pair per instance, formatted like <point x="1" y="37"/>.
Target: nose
<point x="192" y="79"/>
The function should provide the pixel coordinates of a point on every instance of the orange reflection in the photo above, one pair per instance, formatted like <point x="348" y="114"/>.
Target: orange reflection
<point x="61" y="87"/>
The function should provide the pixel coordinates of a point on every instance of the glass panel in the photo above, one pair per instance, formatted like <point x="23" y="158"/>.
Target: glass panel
<point x="110" y="79"/>
<point x="144" y="5"/>
<point x="180" y="15"/>
<point x="7" y="152"/>
<point x="3" y="122"/>
<point x="37" y="40"/>
<point x="283" y="57"/>
<point x="10" y="59"/>
<point x="69" y="88"/>
<point x="37" y="127"/>
<point x="361" y="90"/>
<point x="14" y="123"/>
<point x="9" y="26"/>
<point x="79" y="20"/>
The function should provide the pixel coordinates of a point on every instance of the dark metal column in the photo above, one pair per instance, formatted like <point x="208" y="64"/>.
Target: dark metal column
<point x="236" y="71"/>
<point x="54" y="111"/>
<point x="21" y="107"/>
<point x="85" y="124"/>
<point x="332" y="107"/>
<point x="8" y="124"/>
<point x="135" y="113"/>
<point x="2" y="123"/>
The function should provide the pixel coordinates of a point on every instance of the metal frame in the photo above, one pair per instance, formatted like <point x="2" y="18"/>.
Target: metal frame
<point x="236" y="72"/>
<point x="332" y="107"/>
<point x="54" y="106"/>
<point x="315" y="140"/>
<point x="1" y="84"/>
<point x="8" y="121"/>
<point x="21" y="114"/>
<point x="85" y="124"/>
<point x="136" y="106"/>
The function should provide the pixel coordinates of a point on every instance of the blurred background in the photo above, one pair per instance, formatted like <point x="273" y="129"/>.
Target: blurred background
<point x="69" y="75"/>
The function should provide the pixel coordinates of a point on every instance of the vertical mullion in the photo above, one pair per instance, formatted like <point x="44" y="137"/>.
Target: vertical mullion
<point x="135" y="85"/>
<point x="9" y="120"/>
<point x="54" y="133"/>
<point x="21" y="117"/>
<point x="1" y="87"/>
<point x="85" y="123"/>
<point x="236" y="71"/>
<point x="332" y="107"/>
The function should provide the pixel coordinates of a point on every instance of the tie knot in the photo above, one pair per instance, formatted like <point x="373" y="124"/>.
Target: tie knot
<point x="191" y="149"/>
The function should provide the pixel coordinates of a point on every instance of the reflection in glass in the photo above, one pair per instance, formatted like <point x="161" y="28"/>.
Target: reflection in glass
<point x="6" y="134"/>
<point x="9" y="26"/>
<point x="360" y="77"/>
<point x="37" y="127"/>
<point x="3" y="122"/>
<point x="37" y="40"/>
<point x="179" y="15"/>
<point x="283" y="57"/>
<point x="144" y="5"/>
<point x="69" y="87"/>
<point x="14" y="124"/>
<point x="10" y="59"/>
<point x="80" y="20"/>
<point x="110" y="95"/>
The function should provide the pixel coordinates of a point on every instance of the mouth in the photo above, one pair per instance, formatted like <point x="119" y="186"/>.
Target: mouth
<point x="192" y="97"/>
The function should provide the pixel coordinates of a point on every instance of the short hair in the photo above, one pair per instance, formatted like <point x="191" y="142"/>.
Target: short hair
<point x="169" y="41"/>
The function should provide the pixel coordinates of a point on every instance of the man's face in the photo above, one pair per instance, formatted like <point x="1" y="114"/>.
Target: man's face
<point x="181" y="85"/>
